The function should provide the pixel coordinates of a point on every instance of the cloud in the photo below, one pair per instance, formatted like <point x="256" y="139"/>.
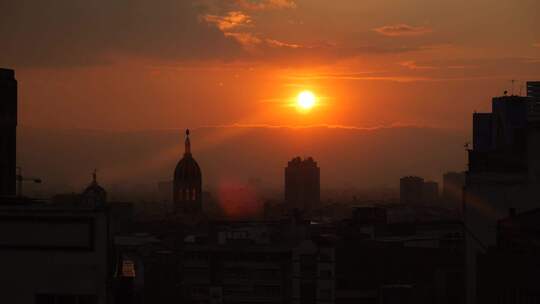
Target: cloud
<point x="68" y="33"/>
<point x="248" y="41"/>
<point x="396" y="125"/>
<point x="231" y="20"/>
<point x="266" y="4"/>
<point x="219" y="6"/>
<point x="411" y="64"/>
<point x="234" y="24"/>
<point x="402" y="30"/>
<point x="80" y="32"/>
<point x="392" y="77"/>
<point x="277" y="43"/>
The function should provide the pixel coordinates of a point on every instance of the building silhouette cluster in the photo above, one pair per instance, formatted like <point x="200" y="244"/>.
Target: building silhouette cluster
<point x="88" y="248"/>
<point x="502" y="178"/>
<point x="415" y="190"/>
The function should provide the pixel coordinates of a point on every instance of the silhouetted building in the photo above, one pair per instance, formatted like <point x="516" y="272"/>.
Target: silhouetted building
<point x="503" y="173"/>
<point x="414" y="267"/>
<point x="8" y="131"/>
<point x="508" y="272"/>
<point x="313" y="272"/>
<point x="411" y="189"/>
<point x="482" y="130"/>
<point x="302" y="184"/>
<point x="453" y="183"/>
<point x="238" y="262"/>
<point x="94" y="194"/>
<point x="54" y="253"/>
<point x="430" y="192"/>
<point x="187" y="183"/>
<point x="533" y="89"/>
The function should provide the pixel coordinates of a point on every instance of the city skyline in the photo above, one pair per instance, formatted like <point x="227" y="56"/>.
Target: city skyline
<point x="270" y="151"/>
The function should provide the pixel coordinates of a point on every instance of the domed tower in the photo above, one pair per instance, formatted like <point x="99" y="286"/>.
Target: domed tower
<point x="187" y="184"/>
<point x="94" y="194"/>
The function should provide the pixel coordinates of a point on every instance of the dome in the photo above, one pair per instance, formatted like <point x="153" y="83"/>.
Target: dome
<point x="187" y="169"/>
<point x="94" y="193"/>
<point x="187" y="182"/>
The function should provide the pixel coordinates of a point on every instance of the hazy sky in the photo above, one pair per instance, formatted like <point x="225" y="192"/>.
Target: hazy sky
<point x="134" y="64"/>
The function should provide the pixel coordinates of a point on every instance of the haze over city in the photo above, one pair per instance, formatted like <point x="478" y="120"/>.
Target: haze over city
<point x="269" y="151"/>
<point x="239" y="64"/>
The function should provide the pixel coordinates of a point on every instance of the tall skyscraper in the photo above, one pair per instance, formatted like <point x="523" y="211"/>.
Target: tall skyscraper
<point x="482" y="129"/>
<point x="302" y="184"/>
<point x="8" y="130"/>
<point x="187" y="182"/>
<point x="503" y="173"/>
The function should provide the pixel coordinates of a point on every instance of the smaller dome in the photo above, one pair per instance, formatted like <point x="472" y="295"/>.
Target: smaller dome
<point x="94" y="193"/>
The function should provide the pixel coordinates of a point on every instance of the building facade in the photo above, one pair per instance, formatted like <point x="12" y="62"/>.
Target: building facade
<point x="302" y="184"/>
<point x="8" y="131"/>
<point x="54" y="254"/>
<point x="237" y="262"/>
<point x="503" y="173"/>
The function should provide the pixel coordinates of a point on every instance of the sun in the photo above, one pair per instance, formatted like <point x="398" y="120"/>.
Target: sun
<point x="306" y="100"/>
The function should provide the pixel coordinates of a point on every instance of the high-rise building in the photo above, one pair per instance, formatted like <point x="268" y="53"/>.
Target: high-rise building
<point x="482" y="129"/>
<point x="8" y="131"/>
<point x="411" y="189"/>
<point x="187" y="182"/>
<point x="502" y="175"/>
<point x="302" y="184"/>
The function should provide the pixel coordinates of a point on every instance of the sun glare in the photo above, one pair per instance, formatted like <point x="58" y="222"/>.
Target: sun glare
<point x="306" y="100"/>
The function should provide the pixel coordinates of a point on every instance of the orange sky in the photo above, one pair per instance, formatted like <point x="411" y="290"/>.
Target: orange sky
<point x="190" y="63"/>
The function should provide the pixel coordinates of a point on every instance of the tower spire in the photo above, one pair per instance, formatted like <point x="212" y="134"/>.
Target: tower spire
<point x="188" y="143"/>
<point x="94" y="176"/>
